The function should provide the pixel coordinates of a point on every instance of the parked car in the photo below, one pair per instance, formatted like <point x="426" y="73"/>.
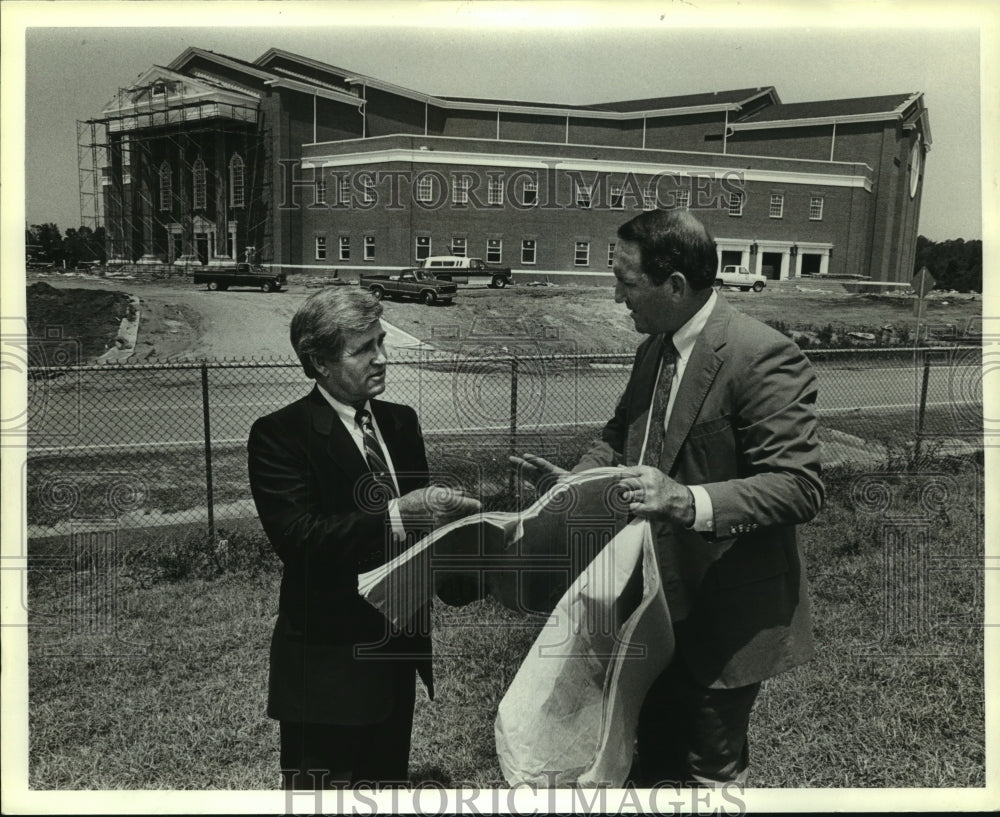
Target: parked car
<point x="448" y="266"/>
<point x="734" y="276"/>
<point x="239" y="275"/>
<point x="409" y="283"/>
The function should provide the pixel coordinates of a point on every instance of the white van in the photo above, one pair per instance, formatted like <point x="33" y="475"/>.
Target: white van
<point x="450" y="266"/>
<point x="735" y="276"/>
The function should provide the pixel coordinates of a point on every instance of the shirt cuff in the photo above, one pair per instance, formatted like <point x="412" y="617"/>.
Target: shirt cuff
<point x="396" y="520"/>
<point x="704" y="521"/>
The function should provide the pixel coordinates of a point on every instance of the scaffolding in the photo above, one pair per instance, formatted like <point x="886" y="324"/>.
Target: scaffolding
<point x="144" y="179"/>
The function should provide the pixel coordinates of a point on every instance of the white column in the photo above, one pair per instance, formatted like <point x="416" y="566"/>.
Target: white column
<point x="824" y="262"/>
<point x="798" y="264"/>
<point x="783" y="272"/>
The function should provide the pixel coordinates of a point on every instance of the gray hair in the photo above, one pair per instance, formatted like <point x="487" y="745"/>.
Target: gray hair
<point x="319" y="325"/>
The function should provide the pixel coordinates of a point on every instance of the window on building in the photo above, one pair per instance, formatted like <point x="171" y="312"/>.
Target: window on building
<point x="345" y="248"/>
<point x="617" y="197"/>
<point x="611" y="253"/>
<point x="460" y="190"/>
<point x="200" y="184"/>
<point x="777" y="206"/>
<point x="423" y="249"/>
<point x="495" y="190"/>
<point x="815" y="208"/>
<point x="369" y="248"/>
<point x="529" y="193"/>
<point x="368" y="195"/>
<point x="166" y="186"/>
<point x="683" y="199"/>
<point x="236" y="190"/>
<point x="583" y="195"/>
<point x="581" y="255"/>
<point x="494" y="251"/>
<point x="320" y="188"/>
<point x="736" y="204"/>
<point x="528" y="251"/>
<point x="425" y="190"/>
<point x="321" y="248"/>
<point x="159" y="88"/>
<point x="343" y="190"/>
<point x="649" y="198"/>
<point x="458" y="246"/>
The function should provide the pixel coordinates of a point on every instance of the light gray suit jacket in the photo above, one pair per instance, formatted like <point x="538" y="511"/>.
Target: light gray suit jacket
<point x="743" y="426"/>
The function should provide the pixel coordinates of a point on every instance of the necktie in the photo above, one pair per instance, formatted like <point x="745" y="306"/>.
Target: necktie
<point x="658" y="409"/>
<point x="385" y="487"/>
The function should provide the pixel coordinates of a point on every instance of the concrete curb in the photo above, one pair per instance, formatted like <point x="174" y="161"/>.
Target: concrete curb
<point x="128" y="334"/>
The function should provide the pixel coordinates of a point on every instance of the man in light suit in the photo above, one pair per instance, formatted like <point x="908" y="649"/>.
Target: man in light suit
<point x="339" y="480"/>
<point x="716" y="431"/>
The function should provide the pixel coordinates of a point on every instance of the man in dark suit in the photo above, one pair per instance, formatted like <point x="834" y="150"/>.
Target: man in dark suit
<point x="716" y="433"/>
<point x="339" y="480"/>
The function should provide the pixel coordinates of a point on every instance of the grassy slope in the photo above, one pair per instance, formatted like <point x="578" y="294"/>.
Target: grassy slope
<point x="90" y="317"/>
<point x="586" y="318"/>
<point x="875" y="708"/>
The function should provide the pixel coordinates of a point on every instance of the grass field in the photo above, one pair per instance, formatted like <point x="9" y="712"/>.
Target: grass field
<point x="165" y="688"/>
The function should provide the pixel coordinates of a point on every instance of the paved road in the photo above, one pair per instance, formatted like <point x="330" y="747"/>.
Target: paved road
<point x="154" y="409"/>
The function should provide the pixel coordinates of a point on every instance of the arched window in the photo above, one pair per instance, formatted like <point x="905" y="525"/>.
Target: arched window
<point x="200" y="189"/>
<point x="236" y="189"/>
<point x="166" y="186"/>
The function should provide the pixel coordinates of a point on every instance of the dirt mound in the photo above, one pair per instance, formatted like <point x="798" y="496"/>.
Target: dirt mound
<point x="90" y="317"/>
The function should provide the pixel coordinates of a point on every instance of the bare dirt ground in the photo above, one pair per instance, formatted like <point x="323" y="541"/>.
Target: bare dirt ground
<point x="183" y="322"/>
<point x="180" y="321"/>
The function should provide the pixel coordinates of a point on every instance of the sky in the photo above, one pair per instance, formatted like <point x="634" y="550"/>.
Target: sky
<point x="569" y="52"/>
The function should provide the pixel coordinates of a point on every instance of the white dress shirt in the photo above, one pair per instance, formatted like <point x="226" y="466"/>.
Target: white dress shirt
<point x="684" y="339"/>
<point x="347" y="415"/>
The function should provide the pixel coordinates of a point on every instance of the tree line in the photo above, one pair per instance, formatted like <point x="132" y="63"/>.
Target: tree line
<point x="45" y="244"/>
<point x="955" y="264"/>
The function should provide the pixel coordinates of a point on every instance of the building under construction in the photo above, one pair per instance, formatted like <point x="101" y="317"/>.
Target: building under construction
<point x="176" y="170"/>
<point x="303" y="164"/>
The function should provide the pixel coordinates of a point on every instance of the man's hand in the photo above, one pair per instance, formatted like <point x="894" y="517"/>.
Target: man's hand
<point x="651" y="493"/>
<point x="538" y="472"/>
<point x="438" y="504"/>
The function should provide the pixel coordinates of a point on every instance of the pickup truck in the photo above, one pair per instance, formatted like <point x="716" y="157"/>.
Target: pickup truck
<point x="734" y="276"/>
<point x="409" y="283"/>
<point x="448" y="266"/>
<point x="240" y="275"/>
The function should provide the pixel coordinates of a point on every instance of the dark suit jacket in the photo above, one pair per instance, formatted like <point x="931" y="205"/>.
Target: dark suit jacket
<point x="334" y="658"/>
<point x="743" y="426"/>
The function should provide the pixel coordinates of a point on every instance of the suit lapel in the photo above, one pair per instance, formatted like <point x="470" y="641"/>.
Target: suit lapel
<point x="342" y="451"/>
<point x="699" y="374"/>
<point x="390" y="428"/>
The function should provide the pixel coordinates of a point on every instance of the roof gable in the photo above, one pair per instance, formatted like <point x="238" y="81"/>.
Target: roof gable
<point x="159" y="87"/>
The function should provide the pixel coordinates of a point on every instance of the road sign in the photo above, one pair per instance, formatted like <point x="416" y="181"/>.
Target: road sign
<point x="923" y="282"/>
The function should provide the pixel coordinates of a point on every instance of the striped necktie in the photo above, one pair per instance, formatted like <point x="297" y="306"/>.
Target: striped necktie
<point x="376" y="456"/>
<point x="658" y="409"/>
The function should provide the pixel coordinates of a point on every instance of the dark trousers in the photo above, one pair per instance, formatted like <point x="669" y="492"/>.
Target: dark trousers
<point x="330" y="755"/>
<point x="689" y="734"/>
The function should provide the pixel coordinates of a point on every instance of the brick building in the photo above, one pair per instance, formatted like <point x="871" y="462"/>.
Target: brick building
<point x="316" y="167"/>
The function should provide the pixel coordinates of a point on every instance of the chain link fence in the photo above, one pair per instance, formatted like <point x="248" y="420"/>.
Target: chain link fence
<point x="148" y="446"/>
